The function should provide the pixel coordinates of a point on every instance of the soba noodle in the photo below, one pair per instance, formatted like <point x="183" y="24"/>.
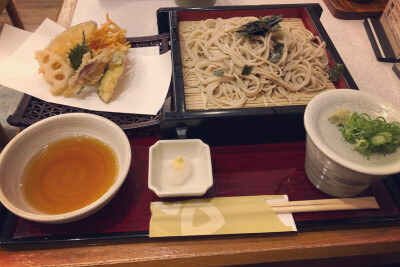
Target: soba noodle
<point x="213" y="46"/>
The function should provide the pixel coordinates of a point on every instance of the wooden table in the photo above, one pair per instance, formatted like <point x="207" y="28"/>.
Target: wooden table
<point x="362" y="245"/>
<point x="359" y="246"/>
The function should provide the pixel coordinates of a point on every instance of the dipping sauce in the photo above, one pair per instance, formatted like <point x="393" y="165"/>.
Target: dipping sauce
<point x="69" y="174"/>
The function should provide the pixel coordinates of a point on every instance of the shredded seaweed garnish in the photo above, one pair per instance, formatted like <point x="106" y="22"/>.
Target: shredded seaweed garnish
<point x="261" y="26"/>
<point x="335" y="72"/>
<point x="371" y="135"/>
<point x="246" y="70"/>
<point x="277" y="55"/>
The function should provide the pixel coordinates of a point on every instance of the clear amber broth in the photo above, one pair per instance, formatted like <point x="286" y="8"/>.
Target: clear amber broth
<point x="69" y="174"/>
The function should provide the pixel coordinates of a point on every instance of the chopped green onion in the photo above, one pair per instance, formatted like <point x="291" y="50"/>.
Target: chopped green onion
<point x="381" y="138"/>
<point x="362" y="146"/>
<point x="371" y="135"/>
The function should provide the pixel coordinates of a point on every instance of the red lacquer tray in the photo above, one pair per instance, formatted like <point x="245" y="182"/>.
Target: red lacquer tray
<point x="238" y="171"/>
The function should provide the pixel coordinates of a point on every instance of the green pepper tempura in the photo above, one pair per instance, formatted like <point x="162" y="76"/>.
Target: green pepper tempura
<point x="368" y="135"/>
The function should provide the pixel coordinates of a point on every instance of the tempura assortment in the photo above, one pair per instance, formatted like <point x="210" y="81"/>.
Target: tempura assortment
<point x="85" y="55"/>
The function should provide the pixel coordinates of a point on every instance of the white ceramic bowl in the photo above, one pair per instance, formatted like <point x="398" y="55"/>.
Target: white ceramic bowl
<point x="332" y="164"/>
<point x="26" y="144"/>
<point x="192" y="150"/>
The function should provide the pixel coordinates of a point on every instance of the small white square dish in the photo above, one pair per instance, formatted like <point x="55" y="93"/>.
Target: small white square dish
<point x="180" y="168"/>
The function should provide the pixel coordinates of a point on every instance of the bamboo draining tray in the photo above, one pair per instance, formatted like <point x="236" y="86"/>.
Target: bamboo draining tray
<point x="195" y="99"/>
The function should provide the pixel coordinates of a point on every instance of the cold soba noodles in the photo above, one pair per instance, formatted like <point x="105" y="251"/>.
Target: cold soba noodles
<point x="215" y="58"/>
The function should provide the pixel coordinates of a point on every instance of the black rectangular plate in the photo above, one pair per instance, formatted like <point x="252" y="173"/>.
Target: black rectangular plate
<point x="243" y="125"/>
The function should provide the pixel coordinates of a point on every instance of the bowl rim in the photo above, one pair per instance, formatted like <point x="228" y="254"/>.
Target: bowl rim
<point x="86" y="210"/>
<point x="194" y="192"/>
<point x="323" y="97"/>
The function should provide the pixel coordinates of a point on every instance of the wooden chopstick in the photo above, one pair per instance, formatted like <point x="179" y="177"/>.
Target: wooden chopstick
<point x="325" y="205"/>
